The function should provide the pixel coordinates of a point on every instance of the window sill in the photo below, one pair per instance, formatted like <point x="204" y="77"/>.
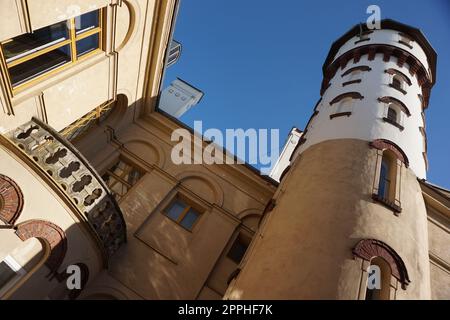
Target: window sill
<point x="395" y="124"/>
<point x="351" y="82"/>
<point x="396" y="88"/>
<point x="340" y="114"/>
<point x="387" y="203"/>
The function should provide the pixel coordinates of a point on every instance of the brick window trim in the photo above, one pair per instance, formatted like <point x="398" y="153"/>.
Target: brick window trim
<point x="360" y="68"/>
<point x="394" y="72"/>
<point x="367" y="249"/>
<point x="383" y="144"/>
<point x="388" y="99"/>
<point x="351" y="82"/>
<point x="340" y="114"/>
<point x="415" y="66"/>
<point x="353" y="95"/>
<point x="11" y="200"/>
<point x="53" y="235"/>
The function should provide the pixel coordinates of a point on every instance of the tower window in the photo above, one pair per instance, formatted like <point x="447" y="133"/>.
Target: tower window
<point x="32" y="56"/>
<point x="385" y="181"/>
<point x="121" y="177"/>
<point x="392" y="114"/>
<point x="379" y="278"/>
<point x="398" y="83"/>
<point x="182" y="213"/>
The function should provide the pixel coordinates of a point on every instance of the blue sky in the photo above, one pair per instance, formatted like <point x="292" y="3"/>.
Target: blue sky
<point x="259" y="61"/>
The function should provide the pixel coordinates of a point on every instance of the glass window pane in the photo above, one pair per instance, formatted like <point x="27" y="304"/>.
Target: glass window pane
<point x="189" y="219"/>
<point x="87" y="44"/>
<point x="31" y="42"/>
<point x="87" y="22"/>
<point x="175" y="210"/>
<point x="6" y="273"/>
<point x="237" y="250"/>
<point x="39" y="65"/>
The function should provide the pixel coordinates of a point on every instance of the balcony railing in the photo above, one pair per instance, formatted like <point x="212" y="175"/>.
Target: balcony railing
<point x="75" y="177"/>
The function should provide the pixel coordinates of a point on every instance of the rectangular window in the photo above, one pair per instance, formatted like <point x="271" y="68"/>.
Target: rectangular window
<point x="121" y="177"/>
<point x="35" y="55"/>
<point x="182" y="213"/>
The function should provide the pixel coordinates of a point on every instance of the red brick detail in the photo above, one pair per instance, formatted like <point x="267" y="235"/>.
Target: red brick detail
<point x="49" y="232"/>
<point x="368" y="249"/>
<point x="388" y="99"/>
<point x="361" y="68"/>
<point x="383" y="144"/>
<point x="403" y="56"/>
<point x="11" y="200"/>
<point x="372" y="52"/>
<point x="393" y="72"/>
<point x="356" y="56"/>
<point x="353" y="95"/>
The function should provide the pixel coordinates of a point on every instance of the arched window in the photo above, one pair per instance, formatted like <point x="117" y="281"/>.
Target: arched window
<point x="386" y="186"/>
<point x="397" y="82"/>
<point x="392" y="114"/>
<point x="387" y="183"/>
<point x="345" y="105"/>
<point x="378" y="280"/>
<point x="355" y="74"/>
<point x="383" y="270"/>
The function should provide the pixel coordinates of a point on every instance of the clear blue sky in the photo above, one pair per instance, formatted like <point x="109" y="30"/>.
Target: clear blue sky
<point x="259" y="61"/>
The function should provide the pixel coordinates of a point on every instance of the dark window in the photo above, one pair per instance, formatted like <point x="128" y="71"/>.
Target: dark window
<point x="392" y="115"/>
<point x="32" y="55"/>
<point x="41" y="64"/>
<point x="238" y="249"/>
<point x="30" y="43"/>
<point x="87" y="21"/>
<point x="384" y="185"/>
<point x="396" y="83"/>
<point x="87" y="44"/>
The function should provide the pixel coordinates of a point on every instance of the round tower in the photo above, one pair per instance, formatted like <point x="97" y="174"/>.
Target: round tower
<point x="351" y="203"/>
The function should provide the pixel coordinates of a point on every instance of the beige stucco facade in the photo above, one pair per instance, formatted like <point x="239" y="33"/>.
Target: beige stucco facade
<point x="57" y="208"/>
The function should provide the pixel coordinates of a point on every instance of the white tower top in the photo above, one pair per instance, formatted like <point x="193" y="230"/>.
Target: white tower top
<point x="179" y="97"/>
<point x="376" y="86"/>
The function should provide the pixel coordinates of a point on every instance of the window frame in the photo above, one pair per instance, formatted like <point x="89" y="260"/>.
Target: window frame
<point x="189" y="204"/>
<point x="72" y="41"/>
<point x="120" y="179"/>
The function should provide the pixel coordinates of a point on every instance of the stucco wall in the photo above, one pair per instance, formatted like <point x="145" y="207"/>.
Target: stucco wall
<point x="41" y="203"/>
<point x="161" y="259"/>
<point x="323" y="209"/>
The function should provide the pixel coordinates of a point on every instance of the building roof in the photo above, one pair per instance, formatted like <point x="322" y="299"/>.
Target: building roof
<point x="413" y="32"/>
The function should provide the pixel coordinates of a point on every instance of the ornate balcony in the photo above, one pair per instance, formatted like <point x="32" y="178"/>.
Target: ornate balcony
<point x="59" y="161"/>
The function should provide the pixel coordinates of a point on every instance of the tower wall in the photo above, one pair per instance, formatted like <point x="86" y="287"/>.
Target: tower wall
<point x="332" y="214"/>
<point x="367" y="112"/>
<point x="320" y="215"/>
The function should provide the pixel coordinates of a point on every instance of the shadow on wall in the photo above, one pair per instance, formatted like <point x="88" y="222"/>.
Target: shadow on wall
<point x="35" y="257"/>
